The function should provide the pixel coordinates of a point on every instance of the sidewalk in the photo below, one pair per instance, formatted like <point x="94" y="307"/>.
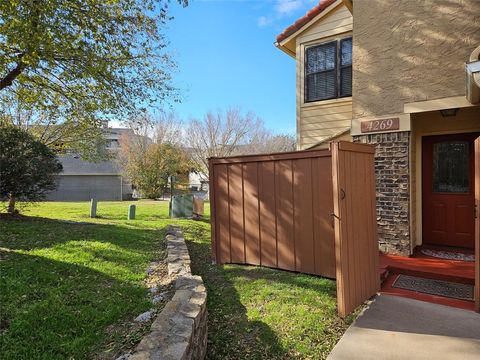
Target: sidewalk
<point x="399" y="328"/>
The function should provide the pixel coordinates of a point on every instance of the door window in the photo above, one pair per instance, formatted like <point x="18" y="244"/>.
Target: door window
<point x="451" y="167"/>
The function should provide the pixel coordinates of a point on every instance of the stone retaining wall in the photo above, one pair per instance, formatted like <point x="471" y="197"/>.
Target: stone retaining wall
<point x="180" y="331"/>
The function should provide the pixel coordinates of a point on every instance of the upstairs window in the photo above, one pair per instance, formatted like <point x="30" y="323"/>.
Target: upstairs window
<point x="328" y="70"/>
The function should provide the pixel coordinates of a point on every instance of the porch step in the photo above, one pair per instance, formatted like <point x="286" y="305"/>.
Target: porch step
<point x="439" y="269"/>
<point x="384" y="273"/>
<point x="388" y="289"/>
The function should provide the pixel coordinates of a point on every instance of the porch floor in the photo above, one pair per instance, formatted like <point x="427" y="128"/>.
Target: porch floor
<point x="427" y="267"/>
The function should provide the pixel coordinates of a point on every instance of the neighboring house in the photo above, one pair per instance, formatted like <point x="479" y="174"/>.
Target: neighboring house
<point x="197" y="181"/>
<point x="81" y="180"/>
<point x="408" y="97"/>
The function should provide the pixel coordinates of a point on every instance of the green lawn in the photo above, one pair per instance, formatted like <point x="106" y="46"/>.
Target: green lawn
<point x="68" y="289"/>
<point x="261" y="313"/>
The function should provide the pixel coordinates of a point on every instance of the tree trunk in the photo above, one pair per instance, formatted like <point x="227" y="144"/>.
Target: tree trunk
<point x="13" y="74"/>
<point x="11" y="204"/>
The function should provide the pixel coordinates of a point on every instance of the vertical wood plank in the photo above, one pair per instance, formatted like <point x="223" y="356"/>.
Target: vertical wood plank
<point x="212" y="185"/>
<point x="477" y="225"/>
<point x="323" y="221"/>
<point x="252" y="226"/>
<point x="267" y="214"/>
<point x="284" y="214"/>
<point x="304" y="248"/>
<point x="237" y="246"/>
<point x="223" y="221"/>
<point x="341" y="265"/>
<point x="362" y="170"/>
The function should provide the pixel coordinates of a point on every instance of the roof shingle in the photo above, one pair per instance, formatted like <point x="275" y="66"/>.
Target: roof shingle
<point x="322" y="5"/>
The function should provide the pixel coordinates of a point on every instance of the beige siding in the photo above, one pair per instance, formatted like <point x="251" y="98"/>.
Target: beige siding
<point x="337" y="21"/>
<point x="321" y="120"/>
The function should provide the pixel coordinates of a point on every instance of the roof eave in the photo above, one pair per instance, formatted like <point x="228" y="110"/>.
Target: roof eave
<point x="285" y="50"/>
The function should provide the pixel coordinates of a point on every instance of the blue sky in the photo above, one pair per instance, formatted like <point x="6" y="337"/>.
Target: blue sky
<point x="226" y="57"/>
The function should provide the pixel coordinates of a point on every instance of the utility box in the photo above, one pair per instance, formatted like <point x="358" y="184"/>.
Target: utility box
<point x="181" y="206"/>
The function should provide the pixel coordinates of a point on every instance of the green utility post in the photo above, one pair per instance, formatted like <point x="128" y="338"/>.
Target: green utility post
<point x="93" y="208"/>
<point x="131" y="212"/>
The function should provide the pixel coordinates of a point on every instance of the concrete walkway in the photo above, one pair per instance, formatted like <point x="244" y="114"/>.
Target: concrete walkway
<point x="393" y="327"/>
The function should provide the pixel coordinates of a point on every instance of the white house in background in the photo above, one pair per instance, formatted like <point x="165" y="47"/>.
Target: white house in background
<point x="197" y="181"/>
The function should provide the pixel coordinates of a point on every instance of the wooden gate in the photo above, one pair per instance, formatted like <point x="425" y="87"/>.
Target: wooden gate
<point x="477" y="224"/>
<point x="274" y="210"/>
<point x="356" y="244"/>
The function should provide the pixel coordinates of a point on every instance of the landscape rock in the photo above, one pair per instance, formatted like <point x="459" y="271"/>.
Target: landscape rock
<point x="144" y="317"/>
<point x="124" y="356"/>
<point x="157" y="298"/>
<point x="153" y="290"/>
<point x="179" y="332"/>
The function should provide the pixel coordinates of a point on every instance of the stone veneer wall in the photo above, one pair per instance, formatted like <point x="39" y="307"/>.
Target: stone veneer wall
<point x="180" y="331"/>
<point x="393" y="192"/>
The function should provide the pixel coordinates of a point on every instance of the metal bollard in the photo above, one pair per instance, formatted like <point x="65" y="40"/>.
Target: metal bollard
<point x="93" y="208"/>
<point x="131" y="212"/>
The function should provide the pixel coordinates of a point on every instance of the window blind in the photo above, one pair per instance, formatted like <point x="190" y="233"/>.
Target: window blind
<point x="328" y="70"/>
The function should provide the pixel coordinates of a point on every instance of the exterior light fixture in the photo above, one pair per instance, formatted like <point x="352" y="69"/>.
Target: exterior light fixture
<point x="472" y="82"/>
<point x="449" y="112"/>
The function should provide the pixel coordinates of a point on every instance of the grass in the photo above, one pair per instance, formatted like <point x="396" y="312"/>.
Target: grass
<point x="262" y="313"/>
<point x="65" y="286"/>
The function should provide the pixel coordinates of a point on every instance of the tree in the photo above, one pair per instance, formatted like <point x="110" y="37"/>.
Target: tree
<point x="276" y="144"/>
<point x="80" y="62"/>
<point x="231" y="133"/>
<point x="150" y="165"/>
<point x="27" y="167"/>
<point x="68" y="135"/>
<point x="222" y="134"/>
<point x="167" y="128"/>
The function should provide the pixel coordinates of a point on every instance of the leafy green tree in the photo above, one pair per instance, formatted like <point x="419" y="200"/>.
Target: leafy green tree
<point x="149" y="165"/>
<point x="27" y="167"/>
<point x="80" y="62"/>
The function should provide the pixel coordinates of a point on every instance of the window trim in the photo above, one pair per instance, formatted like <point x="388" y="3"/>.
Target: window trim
<point x="337" y="70"/>
<point x="341" y="67"/>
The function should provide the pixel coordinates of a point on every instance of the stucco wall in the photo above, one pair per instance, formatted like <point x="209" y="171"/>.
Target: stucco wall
<point x="406" y="51"/>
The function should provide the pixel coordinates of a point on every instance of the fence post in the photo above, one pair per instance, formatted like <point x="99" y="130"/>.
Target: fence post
<point x="93" y="208"/>
<point x="131" y="212"/>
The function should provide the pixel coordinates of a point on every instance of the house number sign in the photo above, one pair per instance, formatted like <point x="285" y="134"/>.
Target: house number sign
<point x="380" y="125"/>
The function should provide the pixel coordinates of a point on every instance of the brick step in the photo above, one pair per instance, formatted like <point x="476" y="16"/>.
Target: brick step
<point x="431" y="275"/>
<point x="439" y="269"/>
<point x="442" y="300"/>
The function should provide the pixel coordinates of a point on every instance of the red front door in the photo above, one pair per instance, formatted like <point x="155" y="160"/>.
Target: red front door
<point x="448" y="179"/>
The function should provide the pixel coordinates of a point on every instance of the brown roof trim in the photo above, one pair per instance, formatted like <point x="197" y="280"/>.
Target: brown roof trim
<point x="322" y="5"/>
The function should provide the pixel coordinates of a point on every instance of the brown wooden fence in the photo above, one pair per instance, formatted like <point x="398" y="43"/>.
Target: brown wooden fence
<point x="278" y="211"/>
<point x="274" y="211"/>
<point x="477" y="225"/>
<point x="356" y="241"/>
